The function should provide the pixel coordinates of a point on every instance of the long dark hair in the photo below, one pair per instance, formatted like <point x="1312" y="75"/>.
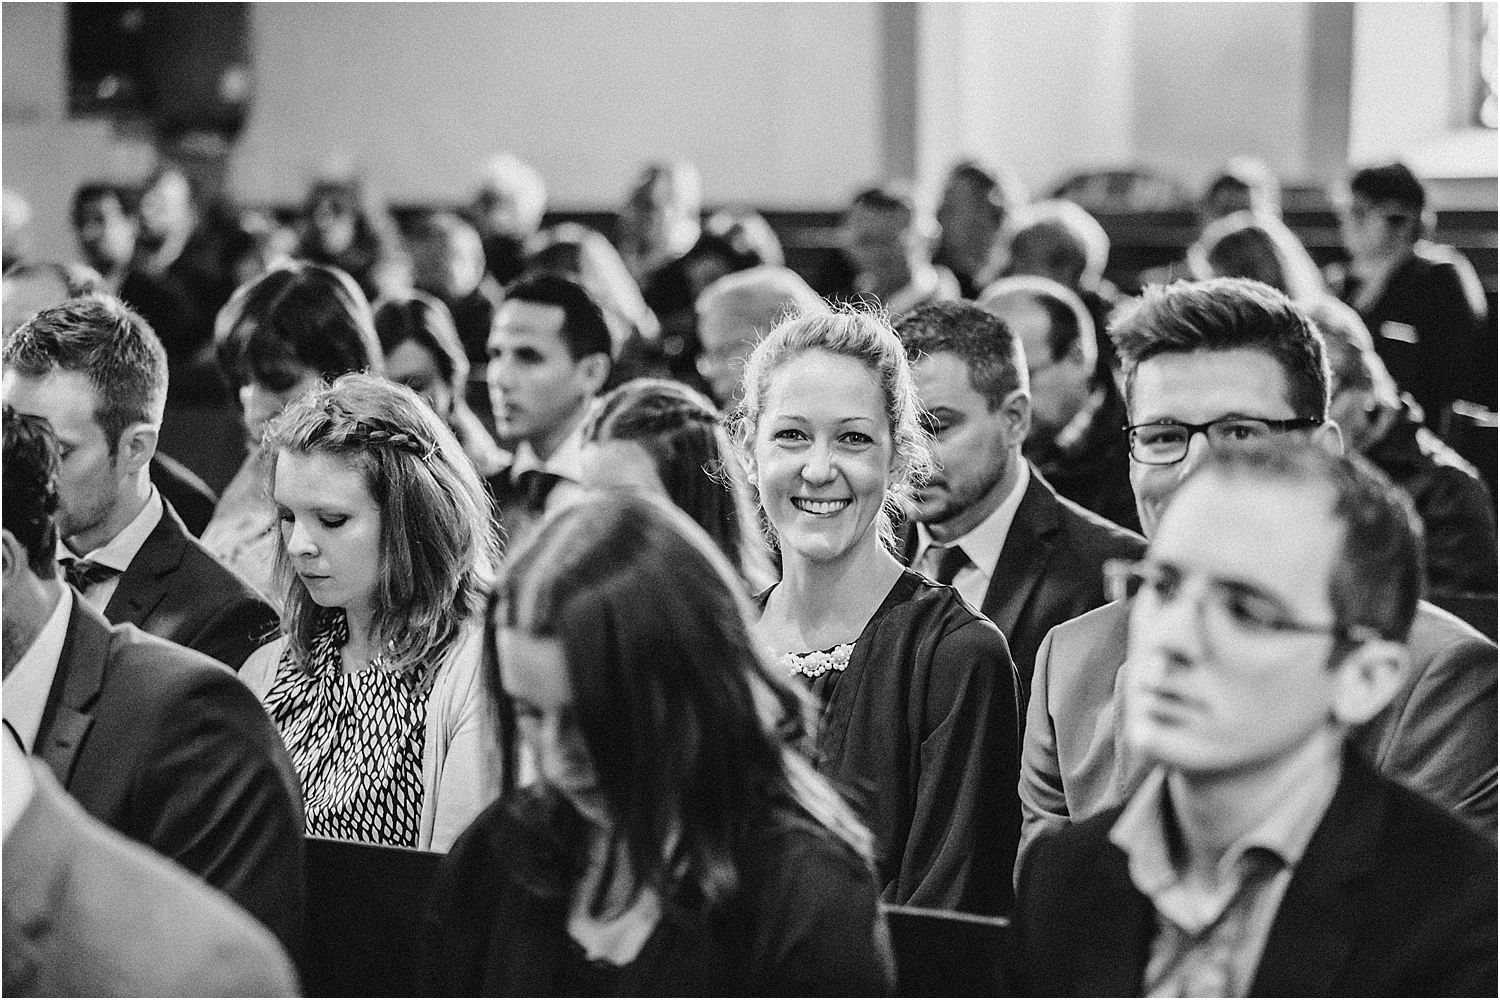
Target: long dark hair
<point x="685" y="723"/>
<point x="680" y="429"/>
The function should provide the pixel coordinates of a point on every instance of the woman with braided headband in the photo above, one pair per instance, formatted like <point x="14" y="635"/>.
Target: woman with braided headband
<point x="384" y="551"/>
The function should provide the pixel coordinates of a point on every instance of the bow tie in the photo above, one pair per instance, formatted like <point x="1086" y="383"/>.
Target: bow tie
<point x="82" y="574"/>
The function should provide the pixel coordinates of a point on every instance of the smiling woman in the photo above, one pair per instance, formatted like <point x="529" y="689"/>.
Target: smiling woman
<point x="385" y="544"/>
<point x="919" y="693"/>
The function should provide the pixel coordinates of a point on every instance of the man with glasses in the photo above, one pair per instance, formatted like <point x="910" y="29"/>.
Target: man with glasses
<point x="1269" y="622"/>
<point x="1220" y="366"/>
<point x="1422" y="302"/>
<point x="1076" y="409"/>
<point x="737" y="310"/>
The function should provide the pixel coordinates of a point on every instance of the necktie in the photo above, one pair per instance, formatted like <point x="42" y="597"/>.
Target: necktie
<point x="949" y="559"/>
<point x="533" y="485"/>
<point x="82" y="574"/>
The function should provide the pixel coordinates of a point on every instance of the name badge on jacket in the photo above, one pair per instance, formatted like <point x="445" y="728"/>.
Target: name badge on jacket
<point x="1404" y="332"/>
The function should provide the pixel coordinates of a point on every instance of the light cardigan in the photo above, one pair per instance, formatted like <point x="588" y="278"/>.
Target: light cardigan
<point x="461" y="753"/>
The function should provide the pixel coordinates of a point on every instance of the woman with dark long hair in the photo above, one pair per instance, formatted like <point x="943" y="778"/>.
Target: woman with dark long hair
<point x="674" y="845"/>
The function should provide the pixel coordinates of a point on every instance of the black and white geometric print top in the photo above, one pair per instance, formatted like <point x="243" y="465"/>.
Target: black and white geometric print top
<point x="356" y="741"/>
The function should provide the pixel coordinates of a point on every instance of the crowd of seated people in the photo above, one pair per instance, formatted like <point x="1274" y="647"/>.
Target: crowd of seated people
<point x="700" y="612"/>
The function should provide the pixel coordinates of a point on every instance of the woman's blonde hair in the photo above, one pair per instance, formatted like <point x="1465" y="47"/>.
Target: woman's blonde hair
<point x="866" y="337"/>
<point x="438" y="548"/>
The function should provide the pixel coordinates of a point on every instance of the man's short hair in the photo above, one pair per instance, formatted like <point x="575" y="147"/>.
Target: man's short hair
<point x="30" y="488"/>
<point x="1069" y="322"/>
<point x="892" y="197"/>
<point x="991" y="353"/>
<point x="584" y="329"/>
<point x="1081" y="244"/>
<point x="1377" y="579"/>
<point x="100" y="337"/>
<point x="1226" y="314"/>
<point x="997" y="185"/>
<point x="759" y="297"/>
<point x="91" y="191"/>
<point x="1252" y="176"/>
<point x="1390" y="183"/>
<point x="508" y="175"/>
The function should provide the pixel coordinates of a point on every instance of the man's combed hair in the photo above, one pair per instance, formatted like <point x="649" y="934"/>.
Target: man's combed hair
<point x="1377" y="579"/>
<point x="1226" y="314"/>
<point x="437" y="542"/>
<point x="104" y="339"/>
<point x="30" y="488"/>
<point x="584" y="329"/>
<point x="988" y="349"/>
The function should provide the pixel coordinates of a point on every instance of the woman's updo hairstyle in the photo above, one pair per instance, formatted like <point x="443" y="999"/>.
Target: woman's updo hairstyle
<point x="866" y="337"/>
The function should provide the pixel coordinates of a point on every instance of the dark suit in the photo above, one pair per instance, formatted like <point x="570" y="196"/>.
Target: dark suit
<point x="1393" y="897"/>
<point x="185" y="491"/>
<point x="174" y="589"/>
<point x="169" y="748"/>
<point x="1051" y="569"/>
<point x="88" y="913"/>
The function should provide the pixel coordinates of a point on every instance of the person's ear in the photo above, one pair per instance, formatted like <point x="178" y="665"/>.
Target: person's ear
<point x="595" y="370"/>
<point x="12" y="557"/>
<point x="137" y="446"/>
<point x="1330" y="437"/>
<point x="1367" y="678"/>
<point x="1017" y="412"/>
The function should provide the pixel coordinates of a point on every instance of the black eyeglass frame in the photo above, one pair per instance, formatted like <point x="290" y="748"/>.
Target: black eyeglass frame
<point x="1279" y="426"/>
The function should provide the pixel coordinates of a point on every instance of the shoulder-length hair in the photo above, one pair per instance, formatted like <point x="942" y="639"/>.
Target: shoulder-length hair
<point x="679" y="428"/>
<point x="866" y="337"/>
<point x="437" y="543"/>
<point x="297" y="315"/>
<point x="684" y="721"/>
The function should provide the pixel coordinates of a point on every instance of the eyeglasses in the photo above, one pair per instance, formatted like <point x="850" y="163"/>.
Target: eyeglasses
<point x="1165" y="442"/>
<point x="1225" y="607"/>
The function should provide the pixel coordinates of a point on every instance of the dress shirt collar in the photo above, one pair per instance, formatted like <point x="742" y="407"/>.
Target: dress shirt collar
<point x="1147" y="829"/>
<point x="984" y="542"/>
<point x="26" y="689"/>
<point x="566" y="462"/>
<point x="119" y="551"/>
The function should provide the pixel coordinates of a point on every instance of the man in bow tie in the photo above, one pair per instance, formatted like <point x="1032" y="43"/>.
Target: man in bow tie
<point x="98" y="374"/>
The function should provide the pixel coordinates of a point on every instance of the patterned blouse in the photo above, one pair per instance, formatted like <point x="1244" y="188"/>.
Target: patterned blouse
<point x="356" y="741"/>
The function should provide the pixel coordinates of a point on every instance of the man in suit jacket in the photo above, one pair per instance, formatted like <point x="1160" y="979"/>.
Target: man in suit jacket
<point x="1226" y="360"/>
<point x="987" y="522"/>
<point x="1257" y="857"/>
<point x="159" y="742"/>
<point x="88" y="913"/>
<point x="549" y="357"/>
<point x="95" y="370"/>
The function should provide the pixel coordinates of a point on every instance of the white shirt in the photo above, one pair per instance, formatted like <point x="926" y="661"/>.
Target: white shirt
<point x="982" y="544"/>
<point x="119" y="552"/>
<point x="566" y="462"/>
<point x="26" y="688"/>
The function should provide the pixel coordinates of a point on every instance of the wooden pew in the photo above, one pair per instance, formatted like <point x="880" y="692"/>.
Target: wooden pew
<point x="365" y="904"/>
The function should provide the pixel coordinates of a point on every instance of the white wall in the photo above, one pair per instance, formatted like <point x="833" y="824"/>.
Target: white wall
<point x="1400" y="103"/>
<point x="1212" y="81"/>
<point x="778" y="104"/>
<point x="1043" y="88"/>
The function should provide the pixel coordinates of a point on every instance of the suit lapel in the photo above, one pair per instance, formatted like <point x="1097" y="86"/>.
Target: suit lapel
<point x="144" y="583"/>
<point x="1119" y="933"/>
<point x="1309" y="942"/>
<point x="80" y="676"/>
<point x="1028" y="546"/>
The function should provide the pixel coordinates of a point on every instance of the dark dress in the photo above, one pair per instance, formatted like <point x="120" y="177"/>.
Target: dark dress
<point x="804" y="923"/>
<point x="922" y="731"/>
